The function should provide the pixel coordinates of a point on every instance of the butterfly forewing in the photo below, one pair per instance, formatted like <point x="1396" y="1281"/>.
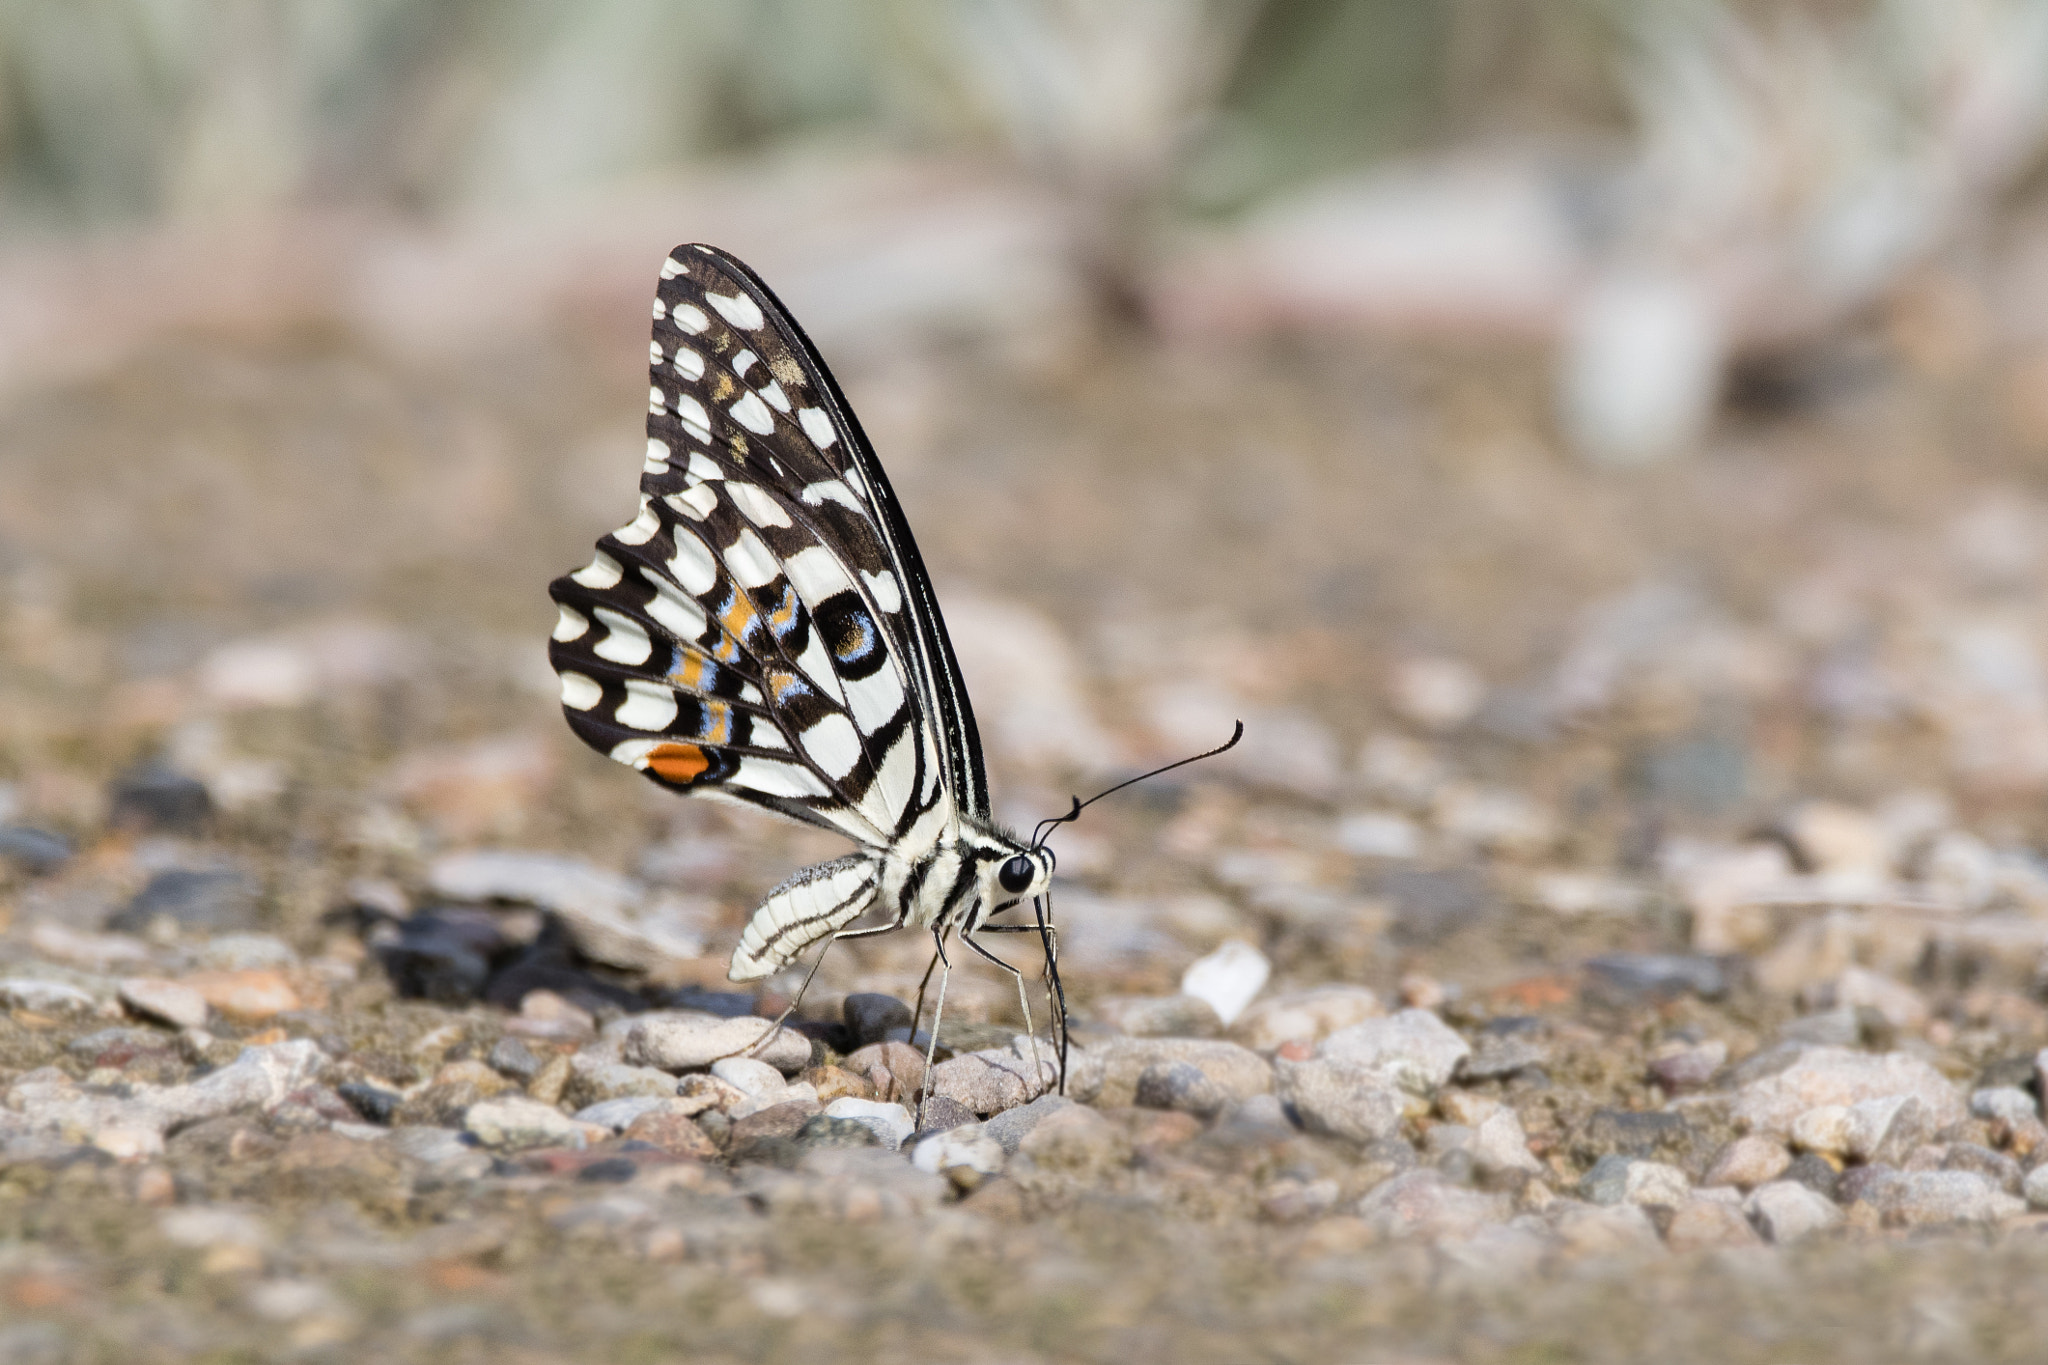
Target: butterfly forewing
<point x="763" y="629"/>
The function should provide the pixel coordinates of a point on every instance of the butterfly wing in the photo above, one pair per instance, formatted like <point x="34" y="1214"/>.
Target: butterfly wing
<point x="764" y="630"/>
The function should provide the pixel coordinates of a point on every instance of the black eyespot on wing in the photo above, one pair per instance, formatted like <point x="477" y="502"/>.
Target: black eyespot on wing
<point x="1016" y="874"/>
<point x="851" y="634"/>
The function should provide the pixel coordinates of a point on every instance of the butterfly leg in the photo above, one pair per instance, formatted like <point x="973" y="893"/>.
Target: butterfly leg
<point x="931" y="1047"/>
<point x="810" y="976"/>
<point x="1023" y="1002"/>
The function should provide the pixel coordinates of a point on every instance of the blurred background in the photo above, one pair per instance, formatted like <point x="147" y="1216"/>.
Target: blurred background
<point x="1577" y="436"/>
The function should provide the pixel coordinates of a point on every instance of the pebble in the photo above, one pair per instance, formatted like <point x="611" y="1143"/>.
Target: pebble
<point x="590" y="902"/>
<point x="618" y="1114"/>
<point x="1607" y="1181"/>
<point x="1748" y="1162"/>
<point x="2000" y="1169"/>
<point x="890" y="1123"/>
<point x="1859" y="988"/>
<point x="515" y="1123"/>
<point x="1303" y="1016"/>
<point x="1785" y="1211"/>
<point x="1416" y="1050"/>
<point x="895" y="1070"/>
<point x="672" y="1131"/>
<point x="1654" y="1184"/>
<point x="1824" y="1129"/>
<point x="243" y="952"/>
<point x="1421" y="1203"/>
<point x="1688" y="1067"/>
<point x="2004" y="1103"/>
<point x="1078" y="1142"/>
<point x="773" y="1121"/>
<point x="1702" y="1223"/>
<point x="1499" y="1146"/>
<point x="1621" y="1229"/>
<point x="1835" y="1075"/>
<point x="209" y="900"/>
<point x="751" y="1077"/>
<point x="1888" y="1128"/>
<point x="1010" y="1127"/>
<point x="870" y="1017"/>
<point x="513" y="1058"/>
<point x="248" y="995"/>
<point x="825" y="1131"/>
<point x="36" y="852"/>
<point x="1227" y="979"/>
<point x="992" y="1080"/>
<point x="1159" y="1016"/>
<point x="157" y="798"/>
<point x="170" y="1002"/>
<point x="2035" y="1188"/>
<point x="691" y="1042"/>
<point x="593" y="1077"/>
<point x="1499" y="1055"/>
<point x="1180" y="1087"/>
<point x="967" y="1156"/>
<point x="1658" y="976"/>
<point x="1341" y="1099"/>
<point x="94" y="952"/>
<point x="45" y="997"/>
<point x="1917" y="1198"/>
<point x="1107" y="1074"/>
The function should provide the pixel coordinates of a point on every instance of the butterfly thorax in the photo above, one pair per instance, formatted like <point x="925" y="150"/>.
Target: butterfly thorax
<point x="957" y="881"/>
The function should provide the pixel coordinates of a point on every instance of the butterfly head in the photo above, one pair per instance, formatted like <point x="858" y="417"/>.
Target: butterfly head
<point x="1023" y="875"/>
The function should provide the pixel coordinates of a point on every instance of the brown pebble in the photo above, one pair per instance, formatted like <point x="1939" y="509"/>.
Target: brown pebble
<point x="835" y="1082"/>
<point x="549" y="1082"/>
<point x="258" y="993"/>
<point x="895" y="1070"/>
<point x="671" y="1132"/>
<point x="777" y="1120"/>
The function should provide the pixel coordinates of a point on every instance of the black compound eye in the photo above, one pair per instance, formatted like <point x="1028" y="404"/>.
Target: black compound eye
<point x="1017" y="874"/>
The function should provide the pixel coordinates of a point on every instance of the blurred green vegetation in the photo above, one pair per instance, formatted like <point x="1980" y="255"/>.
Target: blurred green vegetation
<point x="119" y="110"/>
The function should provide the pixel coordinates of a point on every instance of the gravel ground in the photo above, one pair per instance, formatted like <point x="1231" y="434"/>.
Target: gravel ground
<point x="1622" y="927"/>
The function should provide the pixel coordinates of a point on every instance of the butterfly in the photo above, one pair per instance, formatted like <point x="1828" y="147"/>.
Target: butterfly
<point x="764" y="631"/>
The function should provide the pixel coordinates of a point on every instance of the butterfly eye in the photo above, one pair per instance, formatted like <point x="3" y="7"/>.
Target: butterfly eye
<point x="1017" y="874"/>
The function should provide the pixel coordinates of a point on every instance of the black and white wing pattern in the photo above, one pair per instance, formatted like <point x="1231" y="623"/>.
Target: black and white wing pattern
<point x="764" y="630"/>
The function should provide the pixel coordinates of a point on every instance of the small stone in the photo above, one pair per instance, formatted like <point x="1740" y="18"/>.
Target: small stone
<point x="1500" y="1146"/>
<point x="1077" y="1141"/>
<point x="775" y="1121"/>
<point x="1607" y="1181"/>
<point x="1859" y="988"/>
<point x="244" y="952"/>
<point x="672" y="1131"/>
<point x="1657" y="976"/>
<point x="1688" y="1067"/>
<point x="1700" y="1223"/>
<point x="1228" y="978"/>
<point x="1341" y="1099"/>
<point x="1009" y="1128"/>
<point x="1833" y="1075"/>
<point x="1917" y="1198"/>
<point x="167" y="1001"/>
<point x="1996" y="1167"/>
<point x="967" y="1156"/>
<point x="1421" y="1203"/>
<point x="550" y="1082"/>
<point x="510" y="1057"/>
<point x="1159" y="1016"/>
<point x="890" y="1123"/>
<point x="594" y="1077"/>
<point x="35" y="852"/>
<point x="2035" y="1188"/>
<point x="691" y="1042"/>
<point x="1841" y="840"/>
<point x="823" y="1130"/>
<point x="1501" y="1055"/>
<point x="1303" y="1016"/>
<point x="544" y="1014"/>
<point x="156" y="798"/>
<point x="870" y="1017"/>
<point x="192" y="900"/>
<point x="1785" y="1211"/>
<point x="895" y="1070"/>
<point x="941" y="1112"/>
<point x="248" y="995"/>
<point x="701" y="1093"/>
<point x="2005" y="1104"/>
<point x="1824" y="1129"/>
<point x="1180" y="1087"/>
<point x="1106" y="1074"/>
<point x="618" y="1115"/>
<point x="1620" y="1229"/>
<point x="989" y="1081"/>
<point x="36" y="996"/>
<point x="836" y="1082"/>
<point x="1653" y="1184"/>
<point x="376" y="1104"/>
<point x="749" y="1076"/>
<point x="1817" y="1173"/>
<point x="1748" y="1162"/>
<point x="1888" y="1128"/>
<point x="516" y="1123"/>
<point x="442" y="955"/>
<point x="1417" y="1050"/>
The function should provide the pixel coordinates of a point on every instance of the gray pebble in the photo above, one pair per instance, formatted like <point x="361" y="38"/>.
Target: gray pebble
<point x="1181" y="1087"/>
<point x="204" y="900"/>
<point x="1341" y="1099"/>
<point x="870" y="1016"/>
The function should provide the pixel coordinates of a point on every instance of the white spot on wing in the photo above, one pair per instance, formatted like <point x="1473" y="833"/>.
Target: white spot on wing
<point x="660" y="308"/>
<point x="831" y="490"/>
<point x="580" y="693"/>
<point x="816" y="574"/>
<point x="654" y="353"/>
<point x="818" y="427"/>
<point x="737" y="309"/>
<point x="890" y="796"/>
<point x="633" y="752"/>
<point x="688" y="317"/>
<point x="816" y="663"/>
<point x="600" y="573"/>
<point x="648" y="706"/>
<point x="626" y="643"/>
<point x="743" y="362"/>
<point x="671" y="268"/>
<point x="640" y="529"/>
<point x="777" y="399"/>
<point x="833" y="745"/>
<point x="694" y="503"/>
<point x="772" y="778"/>
<point x="692" y="565"/>
<point x="751" y="413"/>
<point x="688" y="363"/>
<point x="756" y="504"/>
<point x="569" y="623"/>
<point x="657" y="401"/>
<point x="749" y="561"/>
<point x="703" y="467"/>
<point x="675" y="612"/>
<point x="875" y="699"/>
<point x="657" y="457"/>
<point x="882" y="586"/>
<point x="695" y="420"/>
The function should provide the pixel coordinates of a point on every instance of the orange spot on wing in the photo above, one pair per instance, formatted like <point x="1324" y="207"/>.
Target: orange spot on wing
<point x="678" y="762"/>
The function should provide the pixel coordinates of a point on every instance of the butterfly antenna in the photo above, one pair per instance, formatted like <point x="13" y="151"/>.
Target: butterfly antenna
<point x="1045" y="827"/>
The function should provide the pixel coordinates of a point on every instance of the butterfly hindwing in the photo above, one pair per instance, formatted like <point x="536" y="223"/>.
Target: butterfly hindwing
<point x="762" y="630"/>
